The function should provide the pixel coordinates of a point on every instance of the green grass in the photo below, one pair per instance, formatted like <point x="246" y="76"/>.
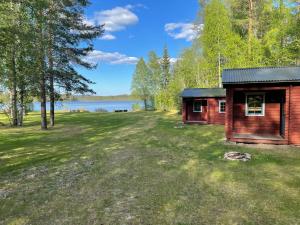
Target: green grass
<point x="135" y="168"/>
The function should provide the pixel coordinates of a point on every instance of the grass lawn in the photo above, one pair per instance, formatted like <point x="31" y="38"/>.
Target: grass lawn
<point x="135" y="168"/>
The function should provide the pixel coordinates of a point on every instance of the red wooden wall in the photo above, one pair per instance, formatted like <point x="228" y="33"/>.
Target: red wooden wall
<point x="237" y="122"/>
<point x="210" y="112"/>
<point x="196" y="116"/>
<point x="214" y="116"/>
<point x="267" y="124"/>
<point x="295" y="115"/>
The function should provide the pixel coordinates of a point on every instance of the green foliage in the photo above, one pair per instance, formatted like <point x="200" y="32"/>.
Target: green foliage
<point x="141" y="83"/>
<point x="165" y="67"/>
<point x="136" y="107"/>
<point x="235" y="34"/>
<point x="187" y="73"/>
<point x="41" y="43"/>
<point x="155" y="75"/>
<point x="152" y="81"/>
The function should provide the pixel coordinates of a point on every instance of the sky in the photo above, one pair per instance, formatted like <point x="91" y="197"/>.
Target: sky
<point x="132" y="29"/>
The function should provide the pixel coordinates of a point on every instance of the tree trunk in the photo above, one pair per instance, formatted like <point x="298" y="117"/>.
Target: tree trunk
<point x="51" y="75"/>
<point x="52" y="93"/>
<point x="13" y="92"/>
<point x="22" y="107"/>
<point x="42" y="71"/>
<point x="52" y="102"/>
<point x="43" y="100"/>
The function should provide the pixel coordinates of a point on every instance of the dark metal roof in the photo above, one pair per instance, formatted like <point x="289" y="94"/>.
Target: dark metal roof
<point x="203" y="92"/>
<point x="261" y="75"/>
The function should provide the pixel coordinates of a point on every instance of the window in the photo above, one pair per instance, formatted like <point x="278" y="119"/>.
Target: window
<point x="222" y="106"/>
<point x="197" y="107"/>
<point x="255" y="104"/>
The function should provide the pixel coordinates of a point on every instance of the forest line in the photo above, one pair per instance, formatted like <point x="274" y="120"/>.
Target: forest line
<point x="231" y="34"/>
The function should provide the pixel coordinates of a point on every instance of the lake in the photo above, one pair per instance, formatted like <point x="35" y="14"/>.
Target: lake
<point x="91" y="106"/>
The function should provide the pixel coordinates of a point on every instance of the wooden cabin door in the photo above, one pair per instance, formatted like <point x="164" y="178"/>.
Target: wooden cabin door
<point x="204" y="114"/>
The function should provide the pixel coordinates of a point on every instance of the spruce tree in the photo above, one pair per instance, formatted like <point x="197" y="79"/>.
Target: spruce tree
<point x="165" y="66"/>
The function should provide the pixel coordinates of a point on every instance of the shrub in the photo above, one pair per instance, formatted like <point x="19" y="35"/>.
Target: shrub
<point x="136" y="107"/>
<point x="79" y="110"/>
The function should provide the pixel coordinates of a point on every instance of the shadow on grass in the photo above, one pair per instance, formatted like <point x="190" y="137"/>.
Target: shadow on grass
<point x="74" y="135"/>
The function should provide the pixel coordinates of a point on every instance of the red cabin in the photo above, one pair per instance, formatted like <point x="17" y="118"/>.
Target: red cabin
<point x="263" y="105"/>
<point x="203" y="105"/>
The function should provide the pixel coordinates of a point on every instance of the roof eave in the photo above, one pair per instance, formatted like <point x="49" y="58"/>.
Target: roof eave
<point x="219" y="96"/>
<point x="261" y="82"/>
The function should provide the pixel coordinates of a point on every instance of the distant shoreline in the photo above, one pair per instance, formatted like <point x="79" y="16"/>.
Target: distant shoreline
<point x="102" y="98"/>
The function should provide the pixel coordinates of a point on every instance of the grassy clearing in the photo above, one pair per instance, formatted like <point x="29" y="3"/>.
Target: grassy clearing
<point x="136" y="168"/>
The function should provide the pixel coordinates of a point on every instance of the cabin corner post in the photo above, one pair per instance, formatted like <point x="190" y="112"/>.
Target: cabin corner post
<point x="229" y="113"/>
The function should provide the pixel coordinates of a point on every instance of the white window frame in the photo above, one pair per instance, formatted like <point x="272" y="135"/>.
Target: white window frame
<point x="263" y="105"/>
<point x="220" y="102"/>
<point x="194" y="106"/>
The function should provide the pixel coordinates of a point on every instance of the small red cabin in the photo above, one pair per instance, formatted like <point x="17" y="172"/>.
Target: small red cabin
<point x="263" y="105"/>
<point x="203" y="105"/>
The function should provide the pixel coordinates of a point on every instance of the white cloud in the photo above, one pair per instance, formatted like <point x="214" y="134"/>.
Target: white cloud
<point x="187" y="31"/>
<point x="108" y="37"/>
<point x="115" y="19"/>
<point x="110" y="58"/>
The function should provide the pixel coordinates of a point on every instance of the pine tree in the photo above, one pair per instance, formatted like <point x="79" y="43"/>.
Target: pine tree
<point x="65" y="38"/>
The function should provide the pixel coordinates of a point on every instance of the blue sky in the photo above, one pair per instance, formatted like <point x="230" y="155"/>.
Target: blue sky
<point x="133" y="28"/>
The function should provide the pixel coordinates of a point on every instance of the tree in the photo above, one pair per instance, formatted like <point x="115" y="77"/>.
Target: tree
<point x="278" y="38"/>
<point x="156" y="73"/>
<point x="165" y="67"/>
<point x="66" y="34"/>
<point x="41" y="43"/>
<point x="13" y="33"/>
<point x="219" y="43"/>
<point x="294" y="32"/>
<point x="141" y="82"/>
<point x="187" y="73"/>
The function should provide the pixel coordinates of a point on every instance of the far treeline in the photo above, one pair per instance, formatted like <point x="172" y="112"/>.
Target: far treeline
<point x="41" y="43"/>
<point x="231" y="34"/>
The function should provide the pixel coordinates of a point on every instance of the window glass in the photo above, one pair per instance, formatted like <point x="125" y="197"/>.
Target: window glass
<point x="197" y="107"/>
<point x="255" y="104"/>
<point x="222" y="106"/>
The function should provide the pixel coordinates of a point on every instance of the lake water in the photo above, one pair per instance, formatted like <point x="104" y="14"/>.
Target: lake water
<point x="91" y="106"/>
